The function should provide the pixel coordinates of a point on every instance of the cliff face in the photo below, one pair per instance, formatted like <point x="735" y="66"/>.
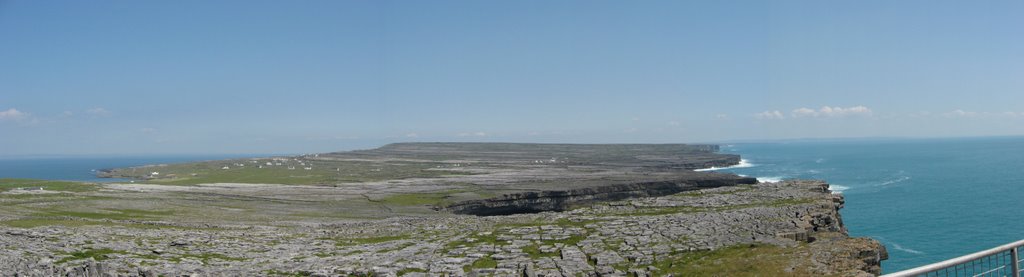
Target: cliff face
<point x="561" y="200"/>
<point x="834" y="250"/>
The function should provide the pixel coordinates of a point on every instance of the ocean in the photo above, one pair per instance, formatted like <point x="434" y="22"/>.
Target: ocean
<point x="83" y="168"/>
<point x="927" y="200"/>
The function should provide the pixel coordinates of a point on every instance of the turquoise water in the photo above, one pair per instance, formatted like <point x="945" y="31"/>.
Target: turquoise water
<point x="927" y="200"/>
<point x="83" y="168"/>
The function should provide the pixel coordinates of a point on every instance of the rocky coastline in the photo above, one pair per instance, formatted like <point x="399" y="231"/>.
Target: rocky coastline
<point x="591" y="210"/>
<point x="793" y="227"/>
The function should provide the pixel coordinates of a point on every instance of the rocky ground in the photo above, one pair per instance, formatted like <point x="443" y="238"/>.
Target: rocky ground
<point x="415" y="209"/>
<point x="767" y="229"/>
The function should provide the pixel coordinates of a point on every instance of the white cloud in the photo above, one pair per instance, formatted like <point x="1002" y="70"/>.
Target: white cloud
<point x="98" y="112"/>
<point x="412" y="135"/>
<point x="148" y="130"/>
<point x="961" y="113"/>
<point x="722" y="116"/>
<point x="673" y="123"/>
<point x="770" y="115"/>
<point x="476" y="134"/>
<point x="13" y="115"/>
<point x="802" y="112"/>
<point x="827" y="111"/>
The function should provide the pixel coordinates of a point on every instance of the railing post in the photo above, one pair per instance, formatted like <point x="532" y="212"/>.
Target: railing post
<point x="1015" y="266"/>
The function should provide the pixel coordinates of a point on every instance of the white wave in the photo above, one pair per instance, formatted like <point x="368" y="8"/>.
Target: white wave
<point x="837" y="188"/>
<point x="819" y="160"/>
<point x="893" y="181"/>
<point x="743" y="164"/>
<point x="769" y="179"/>
<point x="908" y="250"/>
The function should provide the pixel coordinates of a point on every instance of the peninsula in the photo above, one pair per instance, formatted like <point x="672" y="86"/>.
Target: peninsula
<point x="434" y="209"/>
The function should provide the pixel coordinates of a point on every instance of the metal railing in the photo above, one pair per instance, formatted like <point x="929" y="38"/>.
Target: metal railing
<point x="1000" y="261"/>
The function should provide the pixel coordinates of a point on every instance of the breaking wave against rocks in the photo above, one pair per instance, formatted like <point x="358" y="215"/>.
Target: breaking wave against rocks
<point x="769" y="179"/>
<point x="744" y="163"/>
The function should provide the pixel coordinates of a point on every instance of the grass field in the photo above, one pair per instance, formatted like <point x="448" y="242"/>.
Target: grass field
<point x="287" y="172"/>
<point x="9" y="184"/>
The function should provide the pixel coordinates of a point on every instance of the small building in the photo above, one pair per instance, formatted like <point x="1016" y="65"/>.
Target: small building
<point x="226" y="167"/>
<point x="155" y="173"/>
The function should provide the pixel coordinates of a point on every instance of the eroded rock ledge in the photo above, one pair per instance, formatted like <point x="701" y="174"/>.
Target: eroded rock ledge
<point x="561" y="200"/>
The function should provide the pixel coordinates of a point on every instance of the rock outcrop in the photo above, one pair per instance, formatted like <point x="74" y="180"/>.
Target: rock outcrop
<point x="561" y="200"/>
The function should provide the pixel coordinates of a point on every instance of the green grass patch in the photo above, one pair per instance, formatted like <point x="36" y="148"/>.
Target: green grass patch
<point x="323" y="254"/>
<point x="405" y="271"/>
<point x="95" y="254"/>
<point x="9" y="184"/>
<point x="534" y="251"/>
<point x="320" y="172"/>
<point x="275" y="272"/>
<point x="112" y="214"/>
<point x="37" y="222"/>
<point x="740" y="260"/>
<point x="51" y="221"/>
<point x="206" y="257"/>
<point x="369" y="240"/>
<point x="485" y="262"/>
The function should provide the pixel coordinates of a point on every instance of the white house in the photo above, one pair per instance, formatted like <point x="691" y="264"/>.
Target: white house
<point x="225" y="167"/>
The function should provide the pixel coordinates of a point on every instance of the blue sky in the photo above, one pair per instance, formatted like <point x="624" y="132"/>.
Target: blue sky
<point x="133" y="77"/>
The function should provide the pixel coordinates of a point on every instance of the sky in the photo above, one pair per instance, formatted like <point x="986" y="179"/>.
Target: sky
<point x="166" y="77"/>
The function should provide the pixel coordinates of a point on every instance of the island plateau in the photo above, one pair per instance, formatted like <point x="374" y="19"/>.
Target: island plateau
<point x="434" y="209"/>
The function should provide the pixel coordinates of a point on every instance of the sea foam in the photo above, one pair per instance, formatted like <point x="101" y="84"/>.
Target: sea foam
<point x="837" y="188"/>
<point x="743" y="164"/>
<point x="908" y="250"/>
<point x="769" y="179"/>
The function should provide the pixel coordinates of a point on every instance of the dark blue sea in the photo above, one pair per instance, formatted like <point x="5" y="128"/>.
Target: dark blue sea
<point x="927" y="200"/>
<point x="83" y="168"/>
